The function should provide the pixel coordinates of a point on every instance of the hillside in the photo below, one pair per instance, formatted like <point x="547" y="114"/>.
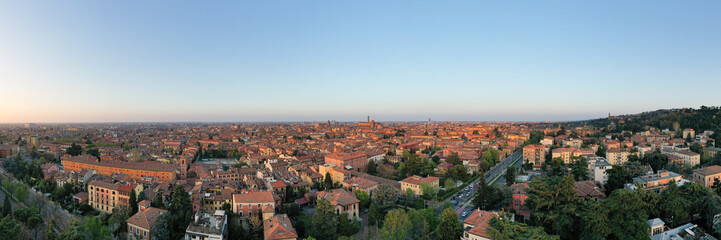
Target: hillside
<point x="701" y="119"/>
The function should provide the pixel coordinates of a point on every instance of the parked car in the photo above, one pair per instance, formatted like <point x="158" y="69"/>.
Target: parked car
<point x="465" y="214"/>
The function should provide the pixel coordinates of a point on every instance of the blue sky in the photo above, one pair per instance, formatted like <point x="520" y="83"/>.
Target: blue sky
<point x="100" y="61"/>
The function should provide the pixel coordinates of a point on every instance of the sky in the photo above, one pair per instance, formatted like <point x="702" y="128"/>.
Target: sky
<point x="228" y="61"/>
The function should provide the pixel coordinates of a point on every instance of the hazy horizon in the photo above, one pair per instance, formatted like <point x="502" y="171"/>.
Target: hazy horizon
<point x="231" y="61"/>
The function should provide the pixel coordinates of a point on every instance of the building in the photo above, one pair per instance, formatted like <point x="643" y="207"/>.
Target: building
<point x="547" y="141"/>
<point x="342" y="202"/>
<point x="251" y="203"/>
<point x="564" y="154"/>
<point x="656" y="182"/>
<point x="589" y="190"/>
<point x="208" y="227"/>
<point x="414" y="183"/>
<point x="134" y="170"/>
<point x="707" y="175"/>
<point x="535" y="154"/>
<point x="336" y="173"/>
<point x="688" y="157"/>
<point x="105" y="196"/>
<point x="475" y="226"/>
<point x="141" y="224"/>
<point x="351" y="160"/>
<point x="359" y="183"/>
<point x="279" y="227"/>
<point x="519" y="197"/>
<point x="688" y="231"/>
<point x="617" y="156"/>
<point x="598" y="168"/>
<point x="689" y="133"/>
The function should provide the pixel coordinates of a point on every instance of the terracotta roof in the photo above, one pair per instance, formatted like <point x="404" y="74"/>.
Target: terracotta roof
<point x="146" y="218"/>
<point x="519" y="188"/>
<point x="338" y="197"/>
<point x="416" y="180"/>
<point x="279" y="227"/>
<point x="148" y="166"/>
<point x="479" y="220"/>
<point x="589" y="189"/>
<point x="710" y="170"/>
<point x="254" y="197"/>
<point x="102" y="184"/>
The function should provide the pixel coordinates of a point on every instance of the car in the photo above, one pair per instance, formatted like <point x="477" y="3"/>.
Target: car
<point x="453" y="198"/>
<point x="454" y="202"/>
<point x="365" y="210"/>
<point x="465" y="214"/>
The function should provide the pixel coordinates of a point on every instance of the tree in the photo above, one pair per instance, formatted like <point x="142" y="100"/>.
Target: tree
<point x="397" y="225"/>
<point x="325" y="221"/>
<point x="617" y="177"/>
<point x="7" y="208"/>
<point x="157" y="201"/>
<point x="387" y="171"/>
<point x="449" y="184"/>
<point x="454" y="159"/>
<point x="501" y="228"/>
<point x="657" y="160"/>
<point x="579" y="168"/>
<point x="73" y="232"/>
<point x="161" y="229"/>
<point x="364" y="198"/>
<point x="256" y="227"/>
<point x="482" y="196"/>
<point x="328" y="182"/>
<point x="491" y="157"/>
<point x="459" y="172"/>
<point x="675" y="206"/>
<point x="9" y="229"/>
<point x="594" y="218"/>
<point x="374" y="216"/>
<point x="696" y="147"/>
<point x="371" y="168"/>
<point x="181" y="212"/>
<point x="554" y="205"/>
<point x="50" y="231"/>
<point x="384" y="197"/>
<point x="345" y="227"/>
<point x="429" y="190"/>
<point x="93" y="152"/>
<point x="96" y="230"/>
<point x="74" y="150"/>
<point x="601" y="151"/>
<point x="449" y="227"/>
<point x="133" y="202"/>
<point x="626" y="215"/>
<point x="510" y="175"/>
<point x="116" y="223"/>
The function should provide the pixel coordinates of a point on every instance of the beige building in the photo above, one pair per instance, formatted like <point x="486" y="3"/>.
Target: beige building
<point x="342" y="201"/>
<point x="617" y="156"/>
<point x="140" y="224"/>
<point x="414" y="183"/>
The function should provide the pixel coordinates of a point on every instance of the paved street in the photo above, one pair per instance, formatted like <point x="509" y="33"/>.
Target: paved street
<point x="465" y="204"/>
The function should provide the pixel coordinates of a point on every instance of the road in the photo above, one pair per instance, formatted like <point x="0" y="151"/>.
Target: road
<point x="497" y="171"/>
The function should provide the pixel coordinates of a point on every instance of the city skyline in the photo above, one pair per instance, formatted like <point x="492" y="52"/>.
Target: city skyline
<point x="165" y="61"/>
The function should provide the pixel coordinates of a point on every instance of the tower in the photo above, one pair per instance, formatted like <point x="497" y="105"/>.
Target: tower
<point x="369" y="118"/>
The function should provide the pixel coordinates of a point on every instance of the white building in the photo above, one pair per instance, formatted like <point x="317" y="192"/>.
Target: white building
<point x="207" y="227"/>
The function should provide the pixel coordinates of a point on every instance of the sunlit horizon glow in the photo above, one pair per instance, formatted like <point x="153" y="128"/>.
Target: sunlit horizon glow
<point x="231" y="61"/>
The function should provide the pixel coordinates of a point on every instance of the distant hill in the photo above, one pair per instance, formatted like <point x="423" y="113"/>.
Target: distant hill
<point x="703" y="118"/>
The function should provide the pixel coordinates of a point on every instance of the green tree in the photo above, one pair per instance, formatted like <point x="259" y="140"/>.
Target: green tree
<point x="74" y="150"/>
<point x="617" y="177"/>
<point x="181" y="212"/>
<point x="696" y="147"/>
<point x="454" y="159"/>
<point x="510" y="175"/>
<point x="96" y="230"/>
<point x="429" y="190"/>
<point x="50" y="231"/>
<point x="162" y="228"/>
<point x="74" y="231"/>
<point x="374" y="216"/>
<point x="396" y="226"/>
<point x="483" y="194"/>
<point x="675" y="206"/>
<point x="7" y="208"/>
<point x="501" y="228"/>
<point x="601" y="151"/>
<point x="371" y="168"/>
<point x="449" y="184"/>
<point x="579" y="168"/>
<point x="325" y="221"/>
<point x="656" y="159"/>
<point x="345" y="226"/>
<point x="449" y="228"/>
<point x="9" y="229"/>
<point x="132" y="201"/>
<point x="384" y="197"/>
<point x="626" y="215"/>
<point x="93" y="152"/>
<point x="553" y="203"/>
<point x="363" y="197"/>
<point x="328" y="182"/>
<point x="594" y="218"/>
